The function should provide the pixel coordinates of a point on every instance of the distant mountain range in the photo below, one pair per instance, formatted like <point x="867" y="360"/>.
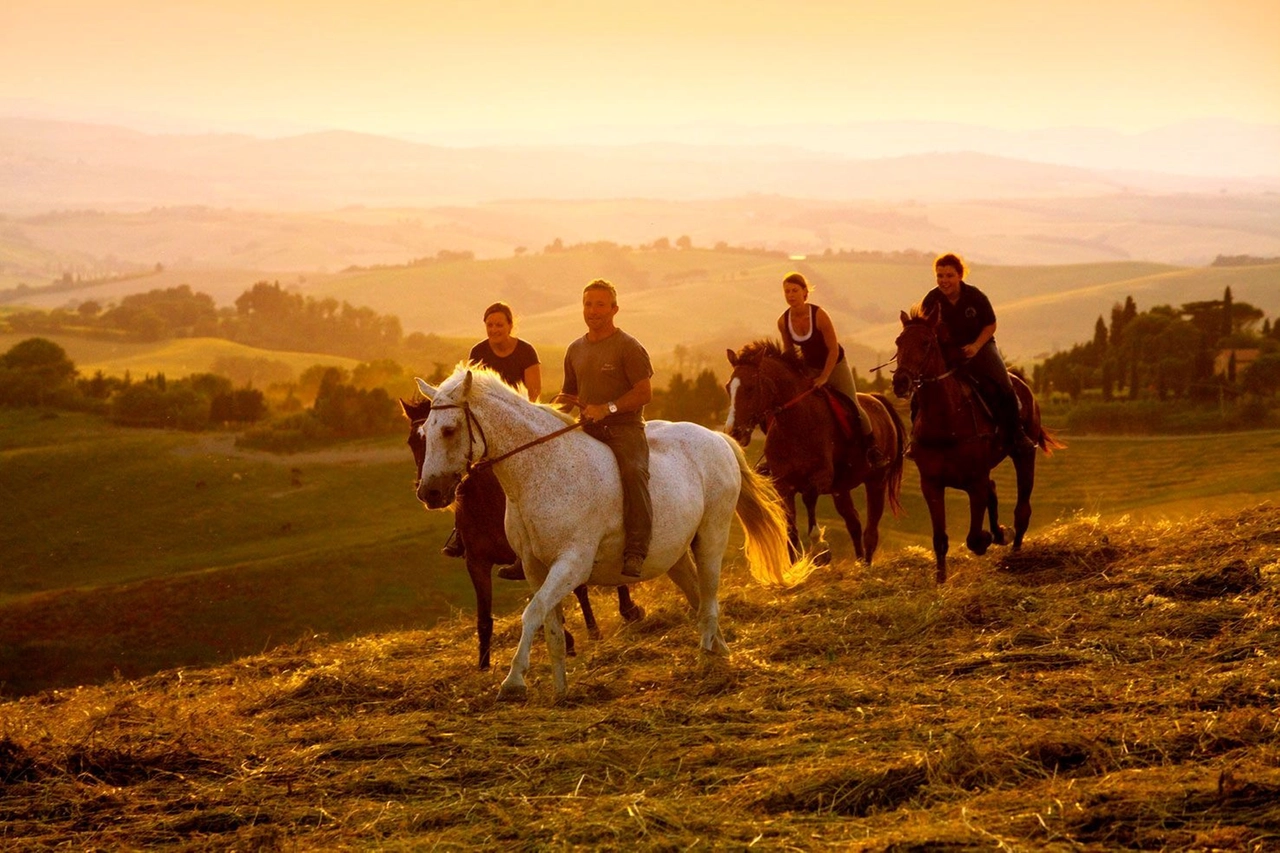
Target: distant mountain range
<point x="51" y="165"/>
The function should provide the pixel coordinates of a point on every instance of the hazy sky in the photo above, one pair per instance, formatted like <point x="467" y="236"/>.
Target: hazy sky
<point x="450" y="68"/>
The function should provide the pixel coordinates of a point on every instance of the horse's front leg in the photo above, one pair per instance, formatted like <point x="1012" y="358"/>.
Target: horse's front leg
<point x="1025" y="468"/>
<point x="978" y="540"/>
<point x="877" y="488"/>
<point x="935" y="498"/>
<point x="993" y="514"/>
<point x="543" y="610"/>
<point x="788" y="496"/>
<point x="852" y="523"/>
<point x="482" y="582"/>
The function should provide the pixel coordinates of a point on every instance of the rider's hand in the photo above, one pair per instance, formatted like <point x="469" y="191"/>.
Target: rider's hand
<point x="970" y="350"/>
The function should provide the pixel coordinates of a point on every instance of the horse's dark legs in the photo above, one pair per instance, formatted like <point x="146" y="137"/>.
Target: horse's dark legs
<point x="1025" y="467"/>
<point x="993" y="514"/>
<point x="628" y="609"/>
<point x="810" y="499"/>
<point x="877" y="488"/>
<point x="852" y="523"/>
<point x="482" y="583"/>
<point x="935" y="499"/>
<point x="793" y="535"/>
<point x="588" y="615"/>
<point x="978" y="540"/>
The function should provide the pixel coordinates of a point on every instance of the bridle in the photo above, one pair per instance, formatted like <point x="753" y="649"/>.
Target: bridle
<point x="484" y="461"/>
<point x="916" y="380"/>
<point x="767" y="415"/>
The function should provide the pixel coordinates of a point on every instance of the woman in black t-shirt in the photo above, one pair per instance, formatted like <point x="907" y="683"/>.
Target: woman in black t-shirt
<point x="516" y="361"/>
<point x="971" y="326"/>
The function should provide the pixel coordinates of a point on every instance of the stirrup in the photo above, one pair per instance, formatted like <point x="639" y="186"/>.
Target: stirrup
<point x="453" y="547"/>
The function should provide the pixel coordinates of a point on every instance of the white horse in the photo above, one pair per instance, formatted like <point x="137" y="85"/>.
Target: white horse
<point x="564" y="504"/>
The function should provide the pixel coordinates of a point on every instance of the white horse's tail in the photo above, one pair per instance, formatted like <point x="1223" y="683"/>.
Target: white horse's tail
<point x="765" y="523"/>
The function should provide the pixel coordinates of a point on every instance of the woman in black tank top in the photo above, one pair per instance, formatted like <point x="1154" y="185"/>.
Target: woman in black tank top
<point x="809" y="329"/>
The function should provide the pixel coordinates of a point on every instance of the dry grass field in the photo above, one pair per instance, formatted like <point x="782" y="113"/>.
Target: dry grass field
<point x="1113" y="686"/>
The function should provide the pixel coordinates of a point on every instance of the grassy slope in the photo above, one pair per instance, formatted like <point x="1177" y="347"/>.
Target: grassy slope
<point x="116" y="557"/>
<point x="136" y="550"/>
<point x="174" y="358"/>
<point x="1114" y="686"/>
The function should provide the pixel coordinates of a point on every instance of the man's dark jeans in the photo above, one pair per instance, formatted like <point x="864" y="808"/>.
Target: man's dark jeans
<point x="629" y="445"/>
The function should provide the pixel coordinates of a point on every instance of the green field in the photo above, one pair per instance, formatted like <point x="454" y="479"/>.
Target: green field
<point x="1146" y="478"/>
<point x="131" y="551"/>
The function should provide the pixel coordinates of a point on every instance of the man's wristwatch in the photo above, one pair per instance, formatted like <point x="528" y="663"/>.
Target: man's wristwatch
<point x="612" y="407"/>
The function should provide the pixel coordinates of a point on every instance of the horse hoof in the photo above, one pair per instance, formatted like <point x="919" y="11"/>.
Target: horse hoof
<point x="513" y="693"/>
<point x="979" y="544"/>
<point x="595" y="633"/>
<point x="822" y="558"/>
<point x="635" y="614"/>
<point x="998" y="536"/>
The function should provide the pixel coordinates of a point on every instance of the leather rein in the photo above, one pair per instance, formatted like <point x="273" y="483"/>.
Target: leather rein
<point x="485" y="461"/>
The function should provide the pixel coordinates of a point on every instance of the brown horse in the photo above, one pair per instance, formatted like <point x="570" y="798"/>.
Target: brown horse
<point x="954" y="440"/>
<point x="806" y="448"/>
<point x="481" y="508"/>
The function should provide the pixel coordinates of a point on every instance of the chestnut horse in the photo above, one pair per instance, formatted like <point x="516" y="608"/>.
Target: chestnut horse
<point x="479" y="513"/>
<point x="805" y="448"/>
<point x="955" y="442"/>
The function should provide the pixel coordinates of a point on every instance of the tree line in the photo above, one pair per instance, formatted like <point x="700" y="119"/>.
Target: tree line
<point x="1188" y="352"/>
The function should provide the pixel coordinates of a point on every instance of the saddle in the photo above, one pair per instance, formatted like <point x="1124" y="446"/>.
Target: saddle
<point x="842" y="409"/>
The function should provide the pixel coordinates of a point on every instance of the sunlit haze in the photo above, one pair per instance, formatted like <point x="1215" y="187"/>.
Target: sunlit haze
<point x="475" y="72"/>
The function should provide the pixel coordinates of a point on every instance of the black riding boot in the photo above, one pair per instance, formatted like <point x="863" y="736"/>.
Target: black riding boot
<point x="1017" y="440"/>
<point x="454" y="547"/>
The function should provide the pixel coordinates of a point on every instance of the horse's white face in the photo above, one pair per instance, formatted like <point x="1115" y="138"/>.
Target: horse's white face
<point x="447" y="442"/>
<point x="745" y="407"/>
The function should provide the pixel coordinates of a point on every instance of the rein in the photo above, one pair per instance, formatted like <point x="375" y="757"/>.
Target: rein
<point x="776" y="410"/>
<point x="918" y="382"/>
<point x="487" y="463"/>
<point x="484" y="461"/>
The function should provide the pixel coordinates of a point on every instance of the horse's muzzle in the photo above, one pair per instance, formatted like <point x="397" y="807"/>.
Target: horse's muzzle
<point x="742" y="435"/>
<point x="439" y="491"/>
<point x="901" y="386"/>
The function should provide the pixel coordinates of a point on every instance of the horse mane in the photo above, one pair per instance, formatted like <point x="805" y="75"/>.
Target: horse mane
<point x="763" y="348"/>
<point x="489" y="380"/>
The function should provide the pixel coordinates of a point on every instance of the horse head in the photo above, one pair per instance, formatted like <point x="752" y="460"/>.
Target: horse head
<point x="760" y="370"/>
<point x="919" y="351"/>
<point x="448" y="439"/>
<point x="416" y="412"/>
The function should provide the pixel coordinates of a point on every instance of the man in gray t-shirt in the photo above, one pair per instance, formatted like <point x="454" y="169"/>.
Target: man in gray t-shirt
<point x="607" y="375"/>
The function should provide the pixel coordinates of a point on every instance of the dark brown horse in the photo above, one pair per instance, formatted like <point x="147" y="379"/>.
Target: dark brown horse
<point x="806" y="448"/>
<point x="954" y="440"/>
<point x="481" y="508"/>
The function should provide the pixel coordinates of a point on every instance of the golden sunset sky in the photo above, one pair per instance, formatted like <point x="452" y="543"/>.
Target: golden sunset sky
<point x="546" y="67"/>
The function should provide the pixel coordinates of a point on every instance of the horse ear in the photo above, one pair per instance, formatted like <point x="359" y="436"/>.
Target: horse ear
<point x="733" y="357"/>
<point x="902" y="315"/>
<point x="426" y="390"/>
<point x="466" y="386"/>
